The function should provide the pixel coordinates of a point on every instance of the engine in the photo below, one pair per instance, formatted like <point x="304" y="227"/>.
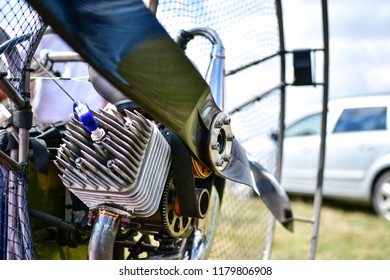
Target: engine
<point x="125" y="167"/>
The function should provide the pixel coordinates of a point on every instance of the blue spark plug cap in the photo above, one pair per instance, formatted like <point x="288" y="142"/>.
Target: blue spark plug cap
<point x="84" y="115"/>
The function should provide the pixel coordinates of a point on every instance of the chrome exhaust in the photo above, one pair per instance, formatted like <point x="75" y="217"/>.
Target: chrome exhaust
<point x="105" y="229"/>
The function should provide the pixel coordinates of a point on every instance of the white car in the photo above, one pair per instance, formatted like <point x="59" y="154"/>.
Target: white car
<point x="357" y="161"/>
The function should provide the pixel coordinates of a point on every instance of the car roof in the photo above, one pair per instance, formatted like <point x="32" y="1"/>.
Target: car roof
<point x="336" y="105"/>
<point x="341" y="103"/>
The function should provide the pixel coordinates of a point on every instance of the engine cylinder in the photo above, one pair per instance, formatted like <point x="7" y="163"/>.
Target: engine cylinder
<point x="127" y="169"/>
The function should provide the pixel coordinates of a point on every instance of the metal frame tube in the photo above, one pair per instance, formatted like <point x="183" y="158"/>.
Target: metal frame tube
<point x="216" y="74"/>
<point x="10" y="162"/>
<point x="11" y="93"/>
<point x="321" y="164"/>
<point x="271" y="221"/>
<point x="12" y="239"/>
<point x="64" y="57"/>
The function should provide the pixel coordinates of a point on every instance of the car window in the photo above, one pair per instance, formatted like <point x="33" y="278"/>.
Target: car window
<point x="362" y="119"/>
<point x="310" y="125"/>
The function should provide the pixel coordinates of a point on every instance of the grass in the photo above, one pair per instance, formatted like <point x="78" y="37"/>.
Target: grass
<point x="347" y="232"/>
<point x="241" y="229"/>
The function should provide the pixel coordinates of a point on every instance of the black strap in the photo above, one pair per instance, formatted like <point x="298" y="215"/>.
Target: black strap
<point x="183" y="177"/>
<point x="22" y="119"/>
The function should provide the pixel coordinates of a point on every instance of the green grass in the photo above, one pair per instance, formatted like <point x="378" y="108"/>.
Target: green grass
<point x="347" y="232"/>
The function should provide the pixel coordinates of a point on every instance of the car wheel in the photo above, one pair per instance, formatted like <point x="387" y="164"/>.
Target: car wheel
<point x="381" y="196"/>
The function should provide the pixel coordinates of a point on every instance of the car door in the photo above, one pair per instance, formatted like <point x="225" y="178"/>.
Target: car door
<point x="356" y="141"/>
<point x="300" y="154"/>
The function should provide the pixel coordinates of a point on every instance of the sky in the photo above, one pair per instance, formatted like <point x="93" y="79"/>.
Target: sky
<point x="359" y="46"/>
<point x="359" y="49"/>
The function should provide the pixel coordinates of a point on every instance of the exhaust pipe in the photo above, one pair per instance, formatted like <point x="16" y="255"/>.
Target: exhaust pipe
<point x="105" y="229"/>
<point x="202" y="201"/>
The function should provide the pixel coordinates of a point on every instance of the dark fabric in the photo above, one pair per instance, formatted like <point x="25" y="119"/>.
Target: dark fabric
<point x="41" y="156"/>
<point x="4" y="135"/>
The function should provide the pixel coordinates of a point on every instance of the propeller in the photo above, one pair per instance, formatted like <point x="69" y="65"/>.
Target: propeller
<point x="124" y="42"/>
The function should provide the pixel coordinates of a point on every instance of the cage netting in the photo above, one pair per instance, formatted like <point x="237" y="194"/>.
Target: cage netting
<point x="250" y="33"/>
<point x="248" y="29"/>
<point x="20" y="28"/>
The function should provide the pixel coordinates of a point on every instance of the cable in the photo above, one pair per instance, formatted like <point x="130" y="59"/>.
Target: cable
<point x="54" y="79"/>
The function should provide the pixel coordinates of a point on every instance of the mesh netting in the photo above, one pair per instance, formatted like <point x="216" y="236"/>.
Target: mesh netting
<point x="253" y="126"/>
<point x="15" y="241"/>
<point x="242" y="226"/>
<point x="20" y="28"/>
<point x="248" y="28"/>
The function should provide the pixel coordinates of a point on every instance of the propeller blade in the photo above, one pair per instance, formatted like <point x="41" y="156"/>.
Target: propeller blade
<point x="272" y="194"/>
<point x="125" y="43"/>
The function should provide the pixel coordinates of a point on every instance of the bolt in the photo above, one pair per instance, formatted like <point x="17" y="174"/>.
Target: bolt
<point x="218" y="124"/>
<point x="124" y="223"/>
<point x="230" y="137"/>
<point x="218" y="162"/>
<point x="227" y="157"/>
<point x="128" y="124"/>
<point x="226" y="120"/>
<point x="110" y="163"/>
<point x="215" y="146"/>
<point x="79" y="162"/>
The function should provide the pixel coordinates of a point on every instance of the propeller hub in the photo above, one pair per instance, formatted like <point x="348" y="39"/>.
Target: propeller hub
<point x="220" y="141"/>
